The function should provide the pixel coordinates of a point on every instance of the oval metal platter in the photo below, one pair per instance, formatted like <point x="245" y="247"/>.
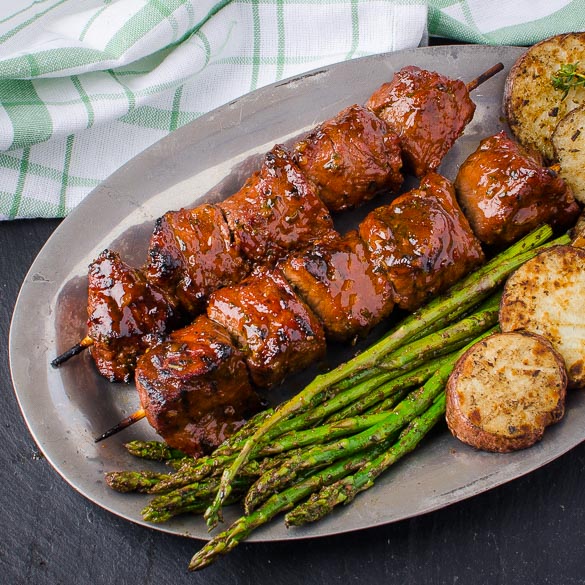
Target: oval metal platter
<point x="207" y="161"/>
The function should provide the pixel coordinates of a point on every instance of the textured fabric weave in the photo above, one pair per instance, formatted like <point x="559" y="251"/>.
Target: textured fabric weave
<point x="85" y="85"/>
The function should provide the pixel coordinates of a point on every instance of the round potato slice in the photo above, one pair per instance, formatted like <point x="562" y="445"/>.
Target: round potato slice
<point x="504" y="392"/>
<point x="546" y="295"/>
<point x="569" y="144"/>
<point x="531" y="104"/>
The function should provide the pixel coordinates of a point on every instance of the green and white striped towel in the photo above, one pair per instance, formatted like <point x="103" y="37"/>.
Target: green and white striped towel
<point x="85" y="85"/>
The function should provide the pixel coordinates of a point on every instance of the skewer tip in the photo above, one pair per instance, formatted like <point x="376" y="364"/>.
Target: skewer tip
<point x="72" y="351"/>
<point x="123" y="424"/>
<point x="474" y="83"/>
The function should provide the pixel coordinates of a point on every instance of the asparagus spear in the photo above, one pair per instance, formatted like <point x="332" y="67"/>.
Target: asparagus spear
<point x="344" y="491"/>
<point x="153" y="450"/>
<point x="324" y="433"/>
<point x="134" y="481"/>
<point x="435" y="344"/>
<point x="455" y="302"/>
<point x="188" y="498"/>
<point x="388" y="403"/>
<point x="232" y="444"/>
<point x="280" y="502"/>
<point x="370" y="404"/>
<point x="411" y="407"/>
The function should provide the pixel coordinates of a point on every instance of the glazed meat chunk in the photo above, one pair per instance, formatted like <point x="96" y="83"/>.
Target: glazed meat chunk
<point x="192" y="254"/>
<point x="422" y="240"/>
<point x="276" y="210"/>
<point x="126" y="315"/>
<point x="427" y="110"/>
<point x="195" y="387"/>
<point x="351" y="158"/>
<point x="338" y="280"/>
<point x="506" y="192"/>
<point x="277" y="332"/>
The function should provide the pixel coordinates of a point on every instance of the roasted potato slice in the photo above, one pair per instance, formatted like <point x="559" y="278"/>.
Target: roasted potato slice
<point x="504" y="392"/>
<point x="578" y="232"/>
<point x="546" y="296"/>
<point x="532" y="105"/>
<point x="569" y="146"/>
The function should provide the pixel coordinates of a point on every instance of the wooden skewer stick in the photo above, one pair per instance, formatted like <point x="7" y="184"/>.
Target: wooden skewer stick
<point x="76" y="349"/>
<point x="474" y="83"/>
<point x="123" y="424"/>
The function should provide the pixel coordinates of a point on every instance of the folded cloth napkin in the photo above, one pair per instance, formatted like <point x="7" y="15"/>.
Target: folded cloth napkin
<point x="85" y="85"/>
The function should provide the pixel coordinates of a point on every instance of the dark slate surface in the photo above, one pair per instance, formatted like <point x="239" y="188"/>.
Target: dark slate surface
<point x="530" y="531"/>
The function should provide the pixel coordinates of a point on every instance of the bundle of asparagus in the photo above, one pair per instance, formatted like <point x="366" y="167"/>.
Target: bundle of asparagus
<point x="332" y="440"/>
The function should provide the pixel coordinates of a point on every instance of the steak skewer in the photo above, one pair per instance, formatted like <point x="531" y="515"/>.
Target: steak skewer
<point x="333" y="164"/>
<point x="271" y="319"/>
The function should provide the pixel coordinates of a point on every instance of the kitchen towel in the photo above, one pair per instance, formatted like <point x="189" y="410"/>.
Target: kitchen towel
<point x="85" y="85"/>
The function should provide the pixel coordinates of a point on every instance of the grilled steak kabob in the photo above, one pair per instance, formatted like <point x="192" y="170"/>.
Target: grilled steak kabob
<point x="347" y="160"/>
<point x="279" y="318"/>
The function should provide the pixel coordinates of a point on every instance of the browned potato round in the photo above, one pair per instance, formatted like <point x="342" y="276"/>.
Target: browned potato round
<point x="578" y="232"/>
<point x="546" y="295"/>
<point x="505" y="391"/>
<point x="569" y="144"/>
<point x="531" y="104"/>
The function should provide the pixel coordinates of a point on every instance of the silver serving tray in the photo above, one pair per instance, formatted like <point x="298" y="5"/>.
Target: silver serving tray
<point x="207" y="161"/>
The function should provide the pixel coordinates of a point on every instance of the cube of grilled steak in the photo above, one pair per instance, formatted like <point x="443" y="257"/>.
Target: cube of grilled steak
<point x="195" y="387"/>
<point x="339" y="282"/>
<point x="427" y="110"/>
<point x="125" y="315"/>
<point x="422" y="240"/>
<point x="351" y="158"/>
<point x="192" y="254"/>
<point x="277" y="332"/>
<point x="506" y="192"/>
<point x="276" y="210"/>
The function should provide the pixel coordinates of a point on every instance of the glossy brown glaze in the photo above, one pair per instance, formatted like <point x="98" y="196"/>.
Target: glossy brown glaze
<point x="277" y="332"/>
<point x="351" y="158"/>
<point x="506" y="192"/>
<point x="276" y="210"/>
<point x="422" y="240"/>
<point x="338" y="280"/>
<point x="125" y="315"/>
<point x="192" y="254"/>
<point x="195" y="387"/>
<point x="427" y="110"/>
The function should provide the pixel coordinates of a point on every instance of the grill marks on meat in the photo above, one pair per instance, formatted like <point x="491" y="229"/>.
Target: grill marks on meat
<point x="428" y="112"/>
<point x="277" y="332"/>
<point x="506" y="192"/>
<point x="126" y="315"/>
<point x="192" y="253"/>
<point x="276" y="210"/>
<point x="337" y="279"/>
<point x="422" y="241"/>
<point x="351" y="158"/>
<point x="195" y="387"/>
